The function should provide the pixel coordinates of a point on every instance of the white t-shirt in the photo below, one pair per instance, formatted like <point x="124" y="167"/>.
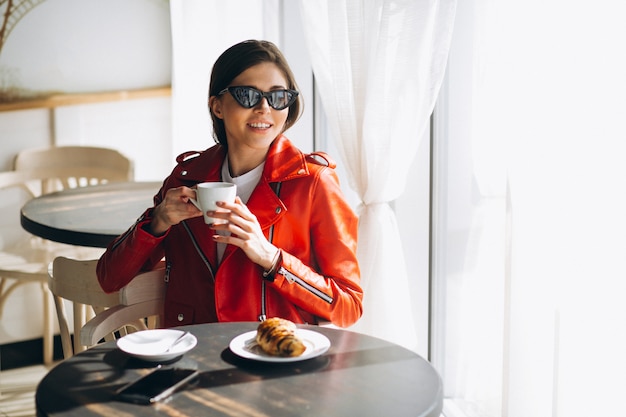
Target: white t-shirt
<point x="245" y="185"/>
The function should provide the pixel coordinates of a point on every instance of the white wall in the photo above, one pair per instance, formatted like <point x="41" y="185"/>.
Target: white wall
<point x="75" y="46"/>
<point x="140" y="129"/>
<point x="20" y="130"/>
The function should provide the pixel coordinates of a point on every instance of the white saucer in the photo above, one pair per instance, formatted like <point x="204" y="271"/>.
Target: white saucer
<point x="151" y="345"/>
<point x="245" y="346"/>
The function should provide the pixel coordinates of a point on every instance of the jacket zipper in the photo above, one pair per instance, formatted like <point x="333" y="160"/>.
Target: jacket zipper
<point x="263" y="314"/>
<point x="195" y="244"/>
<point x="168" y="268"/>
<point x="293" y="278"/>
<point x="127" y="232"/>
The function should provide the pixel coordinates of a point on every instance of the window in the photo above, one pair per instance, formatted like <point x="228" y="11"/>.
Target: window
<point x="529" y="212"/>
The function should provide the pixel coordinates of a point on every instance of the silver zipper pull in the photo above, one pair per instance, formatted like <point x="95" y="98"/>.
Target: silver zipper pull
<point x="168" y="267"/>
<point x="282" y="271"/>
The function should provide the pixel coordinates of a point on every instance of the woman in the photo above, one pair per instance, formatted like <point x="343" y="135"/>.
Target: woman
<point x="287" y="247"/>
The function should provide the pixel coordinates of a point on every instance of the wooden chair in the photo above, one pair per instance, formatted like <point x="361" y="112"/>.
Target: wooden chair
<point x="25" y="258"/>
<point x="97" y="315"/>
<point x="75" y="166"/>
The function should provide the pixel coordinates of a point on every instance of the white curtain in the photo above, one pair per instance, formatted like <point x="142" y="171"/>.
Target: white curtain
<point x="378" y="65"/>
<point x="531" y="238"/>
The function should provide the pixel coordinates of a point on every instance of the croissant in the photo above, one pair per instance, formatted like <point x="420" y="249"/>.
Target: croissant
<point x="277" y="337"/>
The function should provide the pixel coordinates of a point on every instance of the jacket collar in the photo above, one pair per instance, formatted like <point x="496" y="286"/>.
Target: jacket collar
<point x="196" y="167"/>
<point x="284" y="161"/>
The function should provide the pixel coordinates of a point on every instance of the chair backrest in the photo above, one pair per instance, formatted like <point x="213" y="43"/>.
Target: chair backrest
<point x="98" y="315"/>
<point x="140" y="307"/>
<point x="74" y="166"/>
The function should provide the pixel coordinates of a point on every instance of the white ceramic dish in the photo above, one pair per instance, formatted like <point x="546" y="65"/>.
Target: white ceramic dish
<point x="151" y="345"/>
<point x="245" y="346"/>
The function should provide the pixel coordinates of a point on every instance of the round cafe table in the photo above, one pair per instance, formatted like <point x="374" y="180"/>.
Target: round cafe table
<point x="88" y="216"/>
<point x="358" y="376"/>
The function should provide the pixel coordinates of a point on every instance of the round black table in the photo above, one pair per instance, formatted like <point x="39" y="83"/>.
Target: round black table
<point x="358" y="376"/>
<point x="88" y="216"/>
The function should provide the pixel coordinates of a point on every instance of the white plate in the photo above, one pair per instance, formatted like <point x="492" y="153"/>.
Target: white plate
<point x="151" y="345"/>
<point x="245" y="346"/>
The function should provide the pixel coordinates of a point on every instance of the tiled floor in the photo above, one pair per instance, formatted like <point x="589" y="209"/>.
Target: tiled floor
<point x="17" y="390"/>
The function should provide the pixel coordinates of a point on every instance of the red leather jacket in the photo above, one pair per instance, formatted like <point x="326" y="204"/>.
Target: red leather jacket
<point x="313" y="226"/>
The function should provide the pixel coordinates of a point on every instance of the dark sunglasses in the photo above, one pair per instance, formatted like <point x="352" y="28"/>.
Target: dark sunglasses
<point x="249" y="97"/>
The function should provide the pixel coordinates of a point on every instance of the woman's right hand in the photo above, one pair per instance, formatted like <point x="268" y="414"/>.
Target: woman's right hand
<point x="174" y="208"/>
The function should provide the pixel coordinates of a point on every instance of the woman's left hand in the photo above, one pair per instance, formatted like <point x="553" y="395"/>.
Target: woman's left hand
<point x="245" y="232"/>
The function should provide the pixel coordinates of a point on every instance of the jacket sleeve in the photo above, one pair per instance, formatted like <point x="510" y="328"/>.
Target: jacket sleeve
<point x="134" y="251"/>
<point x="331" y="290"/>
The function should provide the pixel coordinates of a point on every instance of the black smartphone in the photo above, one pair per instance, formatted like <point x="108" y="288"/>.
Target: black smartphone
<point x="156" y="385"/>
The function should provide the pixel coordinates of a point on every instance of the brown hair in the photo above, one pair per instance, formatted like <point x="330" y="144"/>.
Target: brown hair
<point x="236" y="60"/>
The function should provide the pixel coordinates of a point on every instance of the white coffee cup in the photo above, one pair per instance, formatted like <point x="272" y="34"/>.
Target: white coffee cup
<point x="208" y="193"/>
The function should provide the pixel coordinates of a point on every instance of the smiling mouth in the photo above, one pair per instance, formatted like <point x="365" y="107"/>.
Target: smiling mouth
<point x="260" y="125"/>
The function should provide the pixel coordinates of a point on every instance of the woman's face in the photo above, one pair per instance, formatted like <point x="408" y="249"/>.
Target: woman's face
<point x="257" y="127"/>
